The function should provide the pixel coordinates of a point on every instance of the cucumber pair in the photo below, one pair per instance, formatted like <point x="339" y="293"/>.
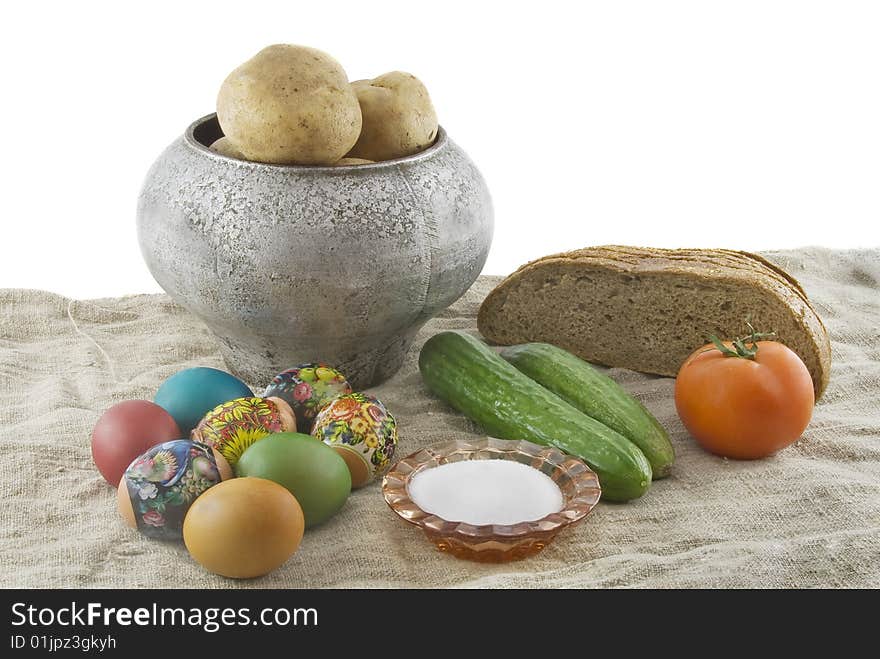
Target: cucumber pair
<point x="546" y="395"/>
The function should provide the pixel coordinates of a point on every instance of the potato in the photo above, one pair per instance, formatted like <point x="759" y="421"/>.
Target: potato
<point x="397" y="114"/>
<point x="290" y="105"/>
<point x="224" y="146"/>
<point x="353" y="161"/>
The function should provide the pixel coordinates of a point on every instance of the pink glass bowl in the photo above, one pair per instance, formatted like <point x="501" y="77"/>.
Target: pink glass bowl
<point x="494" y="543"/>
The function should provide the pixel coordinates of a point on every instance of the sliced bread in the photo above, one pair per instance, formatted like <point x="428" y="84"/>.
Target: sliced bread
<point x="648" y="309"/>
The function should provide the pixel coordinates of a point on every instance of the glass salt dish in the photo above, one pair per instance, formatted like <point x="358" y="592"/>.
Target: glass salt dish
<point x="494" y="543"/>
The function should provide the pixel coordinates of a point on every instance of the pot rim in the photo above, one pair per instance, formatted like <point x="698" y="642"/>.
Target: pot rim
<point x="190" y="140"/>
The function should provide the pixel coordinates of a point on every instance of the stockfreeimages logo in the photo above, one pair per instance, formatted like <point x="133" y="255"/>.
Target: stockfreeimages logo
<point x="213" y="619"/>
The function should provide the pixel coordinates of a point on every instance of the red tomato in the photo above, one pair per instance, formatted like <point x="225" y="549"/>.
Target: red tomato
<point x="745" y="408"/>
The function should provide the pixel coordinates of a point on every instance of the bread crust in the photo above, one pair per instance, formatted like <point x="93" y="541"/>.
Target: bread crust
<point x="704" y="266"/>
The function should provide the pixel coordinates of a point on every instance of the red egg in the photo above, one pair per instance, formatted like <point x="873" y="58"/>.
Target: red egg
<point x="127" y="430"/>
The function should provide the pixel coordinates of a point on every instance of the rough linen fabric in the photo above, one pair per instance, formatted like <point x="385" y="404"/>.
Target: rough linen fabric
<point x="809" y="516"/>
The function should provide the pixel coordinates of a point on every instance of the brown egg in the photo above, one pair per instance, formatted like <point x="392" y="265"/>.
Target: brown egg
<point x="244" y="527"/>
<point x="360" y="473"/>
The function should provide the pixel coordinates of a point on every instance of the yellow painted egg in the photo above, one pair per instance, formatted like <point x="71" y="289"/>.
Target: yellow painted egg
<point x="235" y="425"/>
<point x="244" y="527"/>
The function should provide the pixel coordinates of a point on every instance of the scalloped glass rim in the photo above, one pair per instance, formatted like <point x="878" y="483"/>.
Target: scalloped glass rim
<point x="579" y="485"/>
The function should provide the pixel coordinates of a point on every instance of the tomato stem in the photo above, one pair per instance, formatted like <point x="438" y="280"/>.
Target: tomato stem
<point x="741" y="348"/>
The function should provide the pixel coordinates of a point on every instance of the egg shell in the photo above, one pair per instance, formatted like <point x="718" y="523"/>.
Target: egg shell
<point x="244" y="527"/>
<point x="313" y="472"/>
<point x="234" y="426"/>
<point x="189" y="394"/>
<point x="364" y="433"/>
<point x="125" y="431"/>
<point x="159" y="486"/>
<point x="308" y="388"/>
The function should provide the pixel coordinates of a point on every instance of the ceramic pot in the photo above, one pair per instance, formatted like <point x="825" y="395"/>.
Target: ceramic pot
<point x="294" y="264"/>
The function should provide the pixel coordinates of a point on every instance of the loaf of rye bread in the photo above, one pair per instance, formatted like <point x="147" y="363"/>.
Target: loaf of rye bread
<point x="649" y="309"/>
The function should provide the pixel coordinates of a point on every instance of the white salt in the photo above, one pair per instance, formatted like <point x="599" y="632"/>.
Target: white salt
<point x="486" y="492"/>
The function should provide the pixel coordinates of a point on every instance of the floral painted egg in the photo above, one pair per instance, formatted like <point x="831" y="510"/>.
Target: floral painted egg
<point x="157" y="489"/>
<point x="307" y="389"/>
<point x="233" y="426"/>
<point x="362" y="431"/>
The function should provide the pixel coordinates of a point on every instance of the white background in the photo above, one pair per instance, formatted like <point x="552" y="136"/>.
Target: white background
<point x="719" y="124"/>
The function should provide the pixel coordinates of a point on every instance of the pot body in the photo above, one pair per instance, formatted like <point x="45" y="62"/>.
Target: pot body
<point x="287" y="265"/>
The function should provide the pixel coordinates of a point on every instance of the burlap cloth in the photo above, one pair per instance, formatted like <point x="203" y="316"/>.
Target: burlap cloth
<point x="809" y="516"/>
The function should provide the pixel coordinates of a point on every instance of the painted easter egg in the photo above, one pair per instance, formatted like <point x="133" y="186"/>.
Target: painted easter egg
<point x="189" y="394"/>
<point x="244" y="527"/>
<point x="307" y="388"/>
<point x="125" y="431"/>
<point x="313" y="472"/>
<point x="158" y="487"/>
<point x="363" y="431"/>
<point x="233" y="426"/>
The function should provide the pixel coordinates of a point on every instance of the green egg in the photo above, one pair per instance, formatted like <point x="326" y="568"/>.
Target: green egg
<point x="313" y="472"/>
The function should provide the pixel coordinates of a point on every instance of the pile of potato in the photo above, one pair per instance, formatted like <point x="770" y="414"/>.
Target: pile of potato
<point x="294" y="105"/>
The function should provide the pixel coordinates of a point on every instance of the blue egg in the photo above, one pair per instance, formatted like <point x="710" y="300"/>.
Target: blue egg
<point x="190" y="394"/>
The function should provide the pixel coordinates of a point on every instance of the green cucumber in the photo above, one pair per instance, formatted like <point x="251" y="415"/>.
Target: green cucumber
<point x="475" y="380"/>
<point x="595" y="394"/>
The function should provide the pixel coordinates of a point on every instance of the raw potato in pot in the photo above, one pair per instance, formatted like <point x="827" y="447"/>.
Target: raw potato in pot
<point x="290" y="105"/>
<point x="398" y="117"/>
<point x="225" y="147"/>
<point x="347" y="162"/>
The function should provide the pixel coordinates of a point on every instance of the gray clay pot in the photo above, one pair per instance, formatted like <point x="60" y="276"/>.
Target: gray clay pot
<point x="289" y="264"/>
